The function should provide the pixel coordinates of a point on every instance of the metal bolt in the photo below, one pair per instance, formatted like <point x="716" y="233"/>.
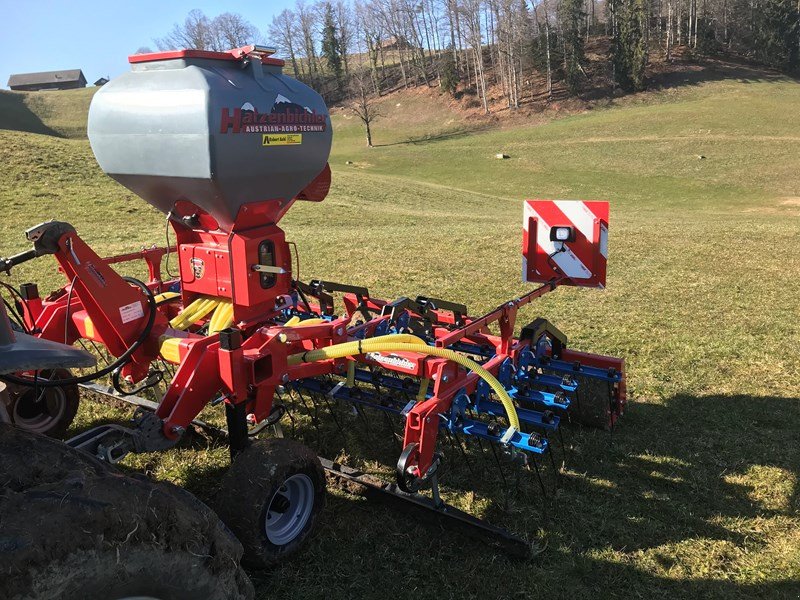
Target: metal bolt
<point x="339" y="331"/>
<point x="445" y="378"/>
<point x="285" y="378"/>
<point x="178" y="430"/>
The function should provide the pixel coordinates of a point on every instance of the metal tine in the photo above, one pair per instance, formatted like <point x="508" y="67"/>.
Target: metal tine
<point x="610" y="412"/>
<point x="452" y="443"/>
<point x="379" y="391"/>
<point x="539" y="476"/>
<point x="364" y="420"/>
<point x="464" y="454"/>
<point x="310" y="413"/>
<point x="578" y="402"/>
<point x="397" y="443"/>
<point x="506" y="488"/>
<point x="287" y="411"/>
<point x="556" y="470"/>
<point x="327" y="400"/>
<point x="290" y="415"/>
<point x="563" y="448"/>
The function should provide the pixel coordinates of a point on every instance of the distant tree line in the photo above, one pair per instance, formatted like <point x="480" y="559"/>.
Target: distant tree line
<point x="518" y="48"/>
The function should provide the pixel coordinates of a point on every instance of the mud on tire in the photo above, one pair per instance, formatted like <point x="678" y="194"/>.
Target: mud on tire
<point x="49" y="411"/>
<point x="74" y="527"/>
<point x="271" y="498"/>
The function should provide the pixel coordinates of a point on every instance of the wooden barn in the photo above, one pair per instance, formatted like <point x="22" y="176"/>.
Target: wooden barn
<point x="49" y="80"/>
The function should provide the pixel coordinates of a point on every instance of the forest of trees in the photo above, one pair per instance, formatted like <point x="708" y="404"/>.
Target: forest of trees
<point x="510" y="45"/>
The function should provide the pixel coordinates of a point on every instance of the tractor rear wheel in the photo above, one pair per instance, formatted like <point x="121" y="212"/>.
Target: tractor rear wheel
<point x="49" y="411"/>
<point x="74" y="527"/>
<point x="271" y="498"/>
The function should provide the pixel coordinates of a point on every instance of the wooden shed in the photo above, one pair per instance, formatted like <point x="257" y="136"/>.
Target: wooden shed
<point x="48" y="80"/>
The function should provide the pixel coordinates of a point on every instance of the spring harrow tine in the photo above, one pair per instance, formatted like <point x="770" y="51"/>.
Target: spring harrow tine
<point x="563" y="448"/>
<point x="506" y="489"/>
<point x="326" y="397"/>
<point x="311" y="414"/>
<point x="360" y="412"/>
<point x="556" y="470"/>
<point x="289" y="413"/>
<point x="464" y="454"/>
<point x="539" y="477"/>
<point x="452" y="444"/>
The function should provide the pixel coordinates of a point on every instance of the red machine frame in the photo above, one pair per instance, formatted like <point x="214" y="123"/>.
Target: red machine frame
<point x="249" y="362"/>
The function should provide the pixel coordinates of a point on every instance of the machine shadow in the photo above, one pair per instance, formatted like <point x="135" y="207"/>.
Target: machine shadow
<point x="682" y="470"/>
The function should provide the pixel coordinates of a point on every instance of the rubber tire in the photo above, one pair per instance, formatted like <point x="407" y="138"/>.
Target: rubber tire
<point x="57" y="429"/>
<point x="248" y="488"/>
<point x="73" y="527"/>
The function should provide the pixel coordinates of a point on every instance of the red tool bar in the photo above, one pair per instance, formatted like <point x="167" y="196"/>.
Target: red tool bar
<point x="478" y="324"/>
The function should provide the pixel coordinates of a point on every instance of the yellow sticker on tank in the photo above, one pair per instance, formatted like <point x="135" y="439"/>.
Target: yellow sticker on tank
<point x="281" y="139"/>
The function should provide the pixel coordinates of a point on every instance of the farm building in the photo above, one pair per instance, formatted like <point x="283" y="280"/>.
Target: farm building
<point x="48" y="80"/>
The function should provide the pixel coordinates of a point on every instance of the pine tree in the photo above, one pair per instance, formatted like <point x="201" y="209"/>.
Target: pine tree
<point x="776" y="34"/>
<point x="331" y="48"/>
<point x="449" y="72"/>
<point x="572" y="17"/>
<point x="629" y="43"/>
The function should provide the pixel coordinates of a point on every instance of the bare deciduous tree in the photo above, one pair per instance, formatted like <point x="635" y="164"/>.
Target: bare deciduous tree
<point x="362" y="102"/>
<point x="198" y="32"/>
<point x="231" y="30"/>
<point x="194" y="32"/>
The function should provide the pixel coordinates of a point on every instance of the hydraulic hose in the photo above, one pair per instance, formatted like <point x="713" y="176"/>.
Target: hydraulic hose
<point x="121" y="361"/>
<point x="409" y="343"/>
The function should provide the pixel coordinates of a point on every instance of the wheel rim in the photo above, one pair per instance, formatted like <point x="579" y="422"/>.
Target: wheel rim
<point x="42" y="415"/>
<point x="289" y="509"/>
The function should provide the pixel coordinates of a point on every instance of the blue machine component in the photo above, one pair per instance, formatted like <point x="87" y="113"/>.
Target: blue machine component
<point x="457" y="420"/>
<point x="561" y="366"/>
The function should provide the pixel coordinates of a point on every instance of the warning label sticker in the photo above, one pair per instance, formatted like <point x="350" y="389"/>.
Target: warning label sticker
<point x="131" y="312"/>
<point x="281" y="139"/>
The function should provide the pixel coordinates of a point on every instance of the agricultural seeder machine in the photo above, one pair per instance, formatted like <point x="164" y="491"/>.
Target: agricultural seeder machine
<point x="224" y="144"/>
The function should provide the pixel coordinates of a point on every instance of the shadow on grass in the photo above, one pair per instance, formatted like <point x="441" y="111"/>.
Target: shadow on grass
<point x="715" y="69"/>
<point x="16" y="116"/>
<point x="448" y="135"/>
<point x="688" y="486"/>
<point x="685" y="72"/>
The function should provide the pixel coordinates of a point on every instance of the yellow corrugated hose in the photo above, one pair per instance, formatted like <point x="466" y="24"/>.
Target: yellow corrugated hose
<point x="409" y="343"/>
<point x="198" y="309"/>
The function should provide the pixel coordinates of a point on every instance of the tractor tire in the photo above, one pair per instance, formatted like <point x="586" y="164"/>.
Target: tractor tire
<point x="271" y="498"/>
<point x="49" y="411"/>
<point x="73" y="527"/>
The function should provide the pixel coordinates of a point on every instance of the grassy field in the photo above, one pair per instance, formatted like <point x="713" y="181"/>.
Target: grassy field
<point x="698" y="495"/>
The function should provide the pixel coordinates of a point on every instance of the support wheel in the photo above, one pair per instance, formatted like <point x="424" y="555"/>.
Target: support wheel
<point x="271" y="498"/>
<point x="49" y="411"/>
<point x="406" y="480"/>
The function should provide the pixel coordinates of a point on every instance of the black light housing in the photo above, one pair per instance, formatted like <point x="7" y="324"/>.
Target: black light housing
<point x="562" y="233"/>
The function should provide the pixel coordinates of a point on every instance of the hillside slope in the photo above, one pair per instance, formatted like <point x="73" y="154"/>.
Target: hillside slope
<point x="60" y="113"/>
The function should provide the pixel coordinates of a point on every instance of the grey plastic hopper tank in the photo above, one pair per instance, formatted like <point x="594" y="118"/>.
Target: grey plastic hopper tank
<point x="217" y="129"/>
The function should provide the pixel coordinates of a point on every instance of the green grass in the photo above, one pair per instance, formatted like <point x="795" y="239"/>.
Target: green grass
<point x="698" y="494"/>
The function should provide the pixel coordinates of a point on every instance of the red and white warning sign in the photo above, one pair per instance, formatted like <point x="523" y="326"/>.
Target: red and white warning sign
<point x="565" y="239"/>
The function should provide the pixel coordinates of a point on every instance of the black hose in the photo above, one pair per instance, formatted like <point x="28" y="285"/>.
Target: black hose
<point x="123" y="359"/>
